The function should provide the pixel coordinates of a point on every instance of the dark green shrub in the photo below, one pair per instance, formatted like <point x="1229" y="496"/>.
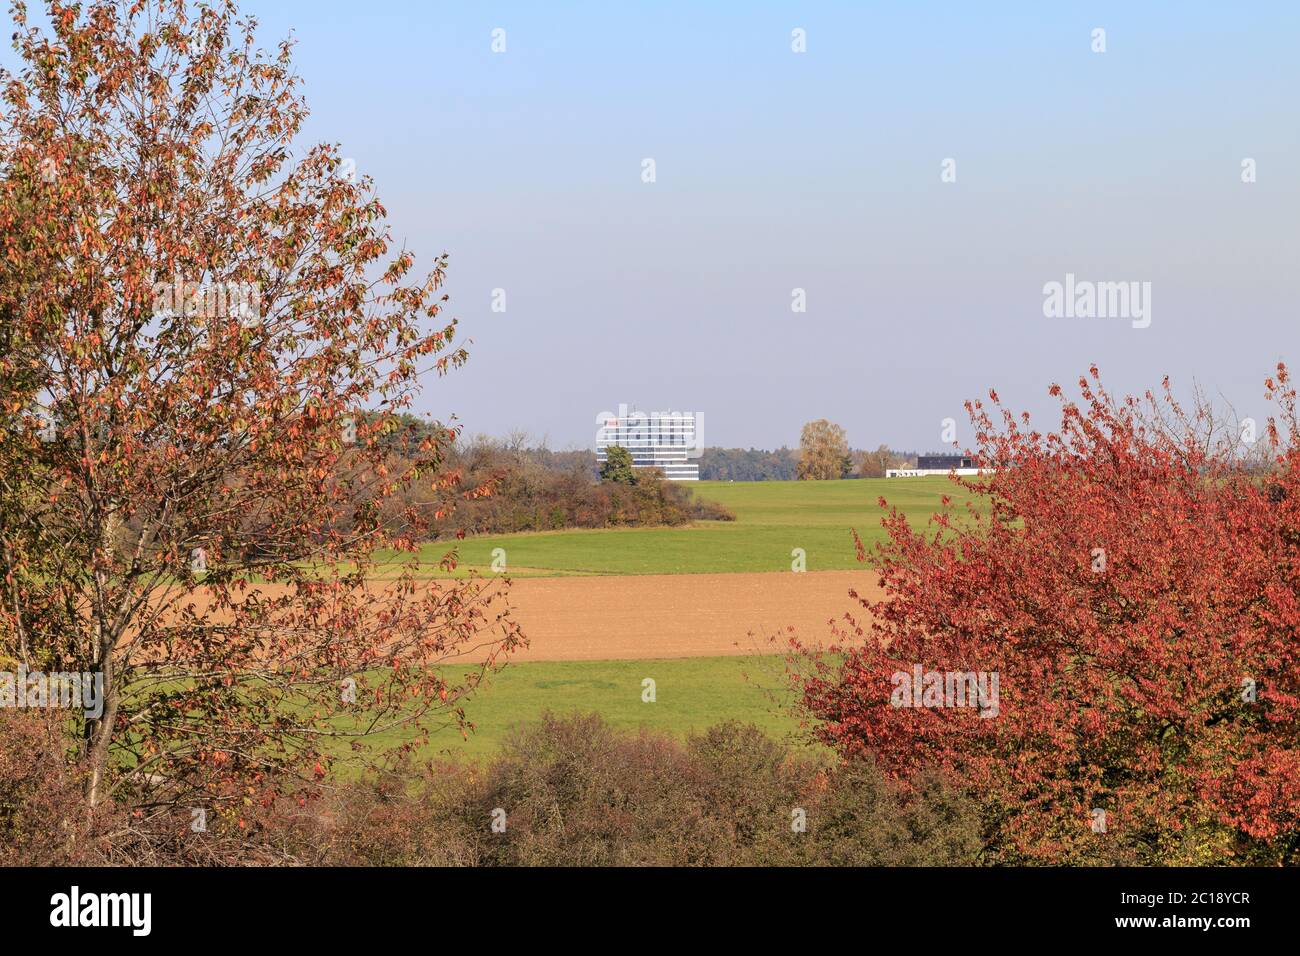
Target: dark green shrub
<point x="617" y="466"/>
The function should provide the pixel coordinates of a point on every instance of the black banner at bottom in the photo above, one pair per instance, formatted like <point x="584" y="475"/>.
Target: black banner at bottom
<point x="143" y="906"/>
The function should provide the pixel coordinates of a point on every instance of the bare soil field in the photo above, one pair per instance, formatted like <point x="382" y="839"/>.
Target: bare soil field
<point x="638" y="617"/>
<point x="633" y="617"/>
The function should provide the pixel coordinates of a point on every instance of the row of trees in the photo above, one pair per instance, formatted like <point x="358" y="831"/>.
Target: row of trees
<point x="748" y="464"/>
<point x="823" y="453"/>
<point x="530" y="493"/>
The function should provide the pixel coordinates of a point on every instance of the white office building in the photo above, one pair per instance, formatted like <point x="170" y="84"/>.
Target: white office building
<point x="669" y="441"/>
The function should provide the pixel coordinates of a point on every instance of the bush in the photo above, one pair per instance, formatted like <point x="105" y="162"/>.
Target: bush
<point x="529" y="498"/>
<point x="1130" y="580"/>
<point x="572" y="791"/>
<point x="503" y="488"/>
<point x="866" y="820"/>
<point x="43" y="817"/>
<point x="575" y="793"/>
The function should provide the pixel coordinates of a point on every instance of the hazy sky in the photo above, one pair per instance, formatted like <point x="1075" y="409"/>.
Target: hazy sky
<point x="821" y="170"/>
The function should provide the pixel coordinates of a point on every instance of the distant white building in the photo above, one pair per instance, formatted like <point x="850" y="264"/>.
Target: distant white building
<point x="664" y="440"/>
<point x="937" y="465"/>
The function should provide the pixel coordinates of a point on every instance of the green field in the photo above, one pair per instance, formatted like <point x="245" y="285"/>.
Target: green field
<point x="772" y="518"/>
<point x="691" y="695"/>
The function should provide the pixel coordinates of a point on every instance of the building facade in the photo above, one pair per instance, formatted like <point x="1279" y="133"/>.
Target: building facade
<point x="937" y="465"/>
<point x="669" y="441"/>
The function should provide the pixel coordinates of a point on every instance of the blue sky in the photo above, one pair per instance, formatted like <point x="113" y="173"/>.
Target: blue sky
<point x="821" y="171"/>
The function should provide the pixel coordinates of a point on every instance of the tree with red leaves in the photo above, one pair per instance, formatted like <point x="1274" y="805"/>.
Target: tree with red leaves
<point x="1130" y="586"/>
<point x="208" y="345"/>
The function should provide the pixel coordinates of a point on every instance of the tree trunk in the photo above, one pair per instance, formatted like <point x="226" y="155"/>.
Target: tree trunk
<point x="99" y="733"/>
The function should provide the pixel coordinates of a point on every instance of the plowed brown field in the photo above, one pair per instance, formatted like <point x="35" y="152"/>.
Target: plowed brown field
<point x="632" y="617"/>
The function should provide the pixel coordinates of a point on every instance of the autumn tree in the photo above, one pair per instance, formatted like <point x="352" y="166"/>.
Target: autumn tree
<point x="1134" y="583"/>
<point x="874" y="464"/>
<point x="823" y="452"/>
<point x="209" y="340"/>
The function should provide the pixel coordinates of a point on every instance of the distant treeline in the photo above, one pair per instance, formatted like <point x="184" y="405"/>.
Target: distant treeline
<point x="721" y="464"/>
<point x="716" y="464"/>
<point x="508" y="485"/>
<point x="748" y="464"/>
<point x="758" y="464"/>
<point x="516" y="483"/>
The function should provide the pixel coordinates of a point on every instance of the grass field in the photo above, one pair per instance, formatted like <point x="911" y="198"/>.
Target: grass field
<point x="691" y="695"/>
<point x="772" y="518"/>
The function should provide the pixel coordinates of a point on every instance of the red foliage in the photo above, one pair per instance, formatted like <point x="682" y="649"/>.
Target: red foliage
<point x="1134" y="581"/>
